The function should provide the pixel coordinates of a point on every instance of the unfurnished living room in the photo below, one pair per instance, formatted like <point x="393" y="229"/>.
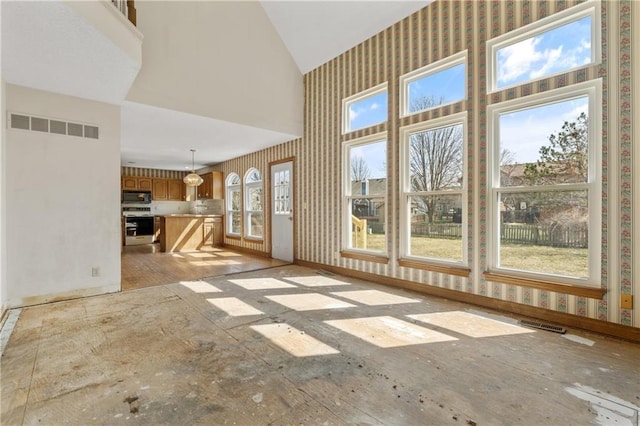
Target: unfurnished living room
<point x="415" y="212"/>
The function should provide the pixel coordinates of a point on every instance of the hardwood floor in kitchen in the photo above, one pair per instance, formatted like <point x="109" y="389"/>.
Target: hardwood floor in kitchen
<point x="145" y="266"/>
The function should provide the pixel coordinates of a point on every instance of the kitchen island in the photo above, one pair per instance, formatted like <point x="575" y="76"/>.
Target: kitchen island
<point x="190" y="232"/>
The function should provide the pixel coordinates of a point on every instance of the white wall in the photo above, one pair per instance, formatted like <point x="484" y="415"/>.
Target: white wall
<point x="222" y="60"/>
<point x="3" y="197"/>
<point x="62" y="201"/>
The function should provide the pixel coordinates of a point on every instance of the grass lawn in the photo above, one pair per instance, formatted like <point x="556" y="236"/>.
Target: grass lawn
<point x="552" y="260"/>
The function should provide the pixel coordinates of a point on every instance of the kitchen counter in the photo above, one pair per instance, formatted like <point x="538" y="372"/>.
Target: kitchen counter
<point x="190" y="232"/>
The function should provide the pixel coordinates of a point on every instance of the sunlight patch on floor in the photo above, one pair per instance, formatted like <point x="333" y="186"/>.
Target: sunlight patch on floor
<point x="469" y="324"/>
<point x="261" y="283"/>
<point x="202" y="255"/>
<point x="309" y="302"/>
<point x="388" y="332"/>
<point x="200" y="287"/>
<point x="218" y="262"/>
<point x="294" y="341"/>
<point x="234" y="307"/>
<point x="374" y="297"/>
<point x="316" y="281"/>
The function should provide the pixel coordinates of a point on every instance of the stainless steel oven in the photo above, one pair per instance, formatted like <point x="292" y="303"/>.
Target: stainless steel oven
<point x="138" y="227"/>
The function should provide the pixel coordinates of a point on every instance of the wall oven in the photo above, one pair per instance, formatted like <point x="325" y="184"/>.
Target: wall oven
<point x="138" y="227"/>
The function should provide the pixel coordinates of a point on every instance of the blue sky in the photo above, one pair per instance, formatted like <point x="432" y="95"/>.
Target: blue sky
<point x="369" y="111"/>
<point x="443" y="87"/>
<point x="375" y="154"/>
<point x="554" y="51"/>
<point x="524" y="132"/>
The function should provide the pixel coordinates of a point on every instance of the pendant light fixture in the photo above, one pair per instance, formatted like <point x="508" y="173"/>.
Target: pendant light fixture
<point x="192" y="179"/>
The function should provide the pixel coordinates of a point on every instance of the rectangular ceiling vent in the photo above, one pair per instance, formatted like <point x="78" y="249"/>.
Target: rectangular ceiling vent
<point x="46" y="125"/>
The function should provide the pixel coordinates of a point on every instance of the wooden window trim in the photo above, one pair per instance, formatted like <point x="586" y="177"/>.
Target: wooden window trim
<point x="254" y="239"/>
<point x="459" y="271"/>
<point x="365" y="256"/>
<point x="233" y="237"/>
<point x="582" y="291"/>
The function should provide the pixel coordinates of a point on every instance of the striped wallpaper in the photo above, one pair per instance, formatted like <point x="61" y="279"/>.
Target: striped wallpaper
<point x="152" y="173"/>
<point x="433" y="33"/>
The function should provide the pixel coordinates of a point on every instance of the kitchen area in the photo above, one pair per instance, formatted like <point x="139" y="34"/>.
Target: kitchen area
<point x="168" y="212"/>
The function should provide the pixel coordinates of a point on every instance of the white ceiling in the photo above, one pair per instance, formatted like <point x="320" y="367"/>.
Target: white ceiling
<point x="317" y="31"/>
<point x="313" y="31"/>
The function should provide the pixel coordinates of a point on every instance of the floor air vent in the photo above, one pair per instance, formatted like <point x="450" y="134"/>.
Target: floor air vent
<point x="39" y="124"/>
<point x="543" y="326"/>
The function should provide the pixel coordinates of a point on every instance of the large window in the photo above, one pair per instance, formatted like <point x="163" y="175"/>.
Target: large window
<point x="433" y="220"/>
<point x="545" y="184"/>
<point x="234" y="205"/>
<point x="365" y="109"/>
<point x="254" y="218"/>
<point x="437" y="84"/>
<point x="365" y="190"/>
<point x="559" y="43"/>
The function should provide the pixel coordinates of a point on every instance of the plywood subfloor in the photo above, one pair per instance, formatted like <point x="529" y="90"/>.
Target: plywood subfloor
<point x="219" y="351"/>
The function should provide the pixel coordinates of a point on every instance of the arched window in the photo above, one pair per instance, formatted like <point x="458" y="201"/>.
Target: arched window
<point x="234" y="205"/>
<point x="254" y="218"/>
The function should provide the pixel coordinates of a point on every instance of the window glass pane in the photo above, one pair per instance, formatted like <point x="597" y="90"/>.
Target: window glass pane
<point x="255" y="198"/>
<point x="436" y="226"/>
<point x="233" y="179"/>
<point x="545" y="145"/>
<point x="435" y="159"/>
<point x="443" y="87"/>
<point x="254" y="176"/>
<point x="235" y="222"/>
<point x="235" y="200"/>
<point x="550" y="52"/>
<point x="545" y="232"/>
<point x="255" y="224"/>
<point x="367" y="112"/>
<point x="368" y="224"/>
<point x="368" y="169"/>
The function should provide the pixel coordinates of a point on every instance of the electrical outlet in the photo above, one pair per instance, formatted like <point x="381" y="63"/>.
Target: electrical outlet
<point x="626" y="301"/>
<point x="336" y="255"/>
<point x="95" y="271"/>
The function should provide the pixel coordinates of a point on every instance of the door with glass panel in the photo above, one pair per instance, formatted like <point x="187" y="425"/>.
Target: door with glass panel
<point x="282" y="211"/>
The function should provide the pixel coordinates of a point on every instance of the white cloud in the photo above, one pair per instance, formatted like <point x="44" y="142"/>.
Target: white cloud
<point x="374" y="106"/>
<point x="517" y="59"/>
<point x="353" y="113"/>
<point x="551" y="57"/>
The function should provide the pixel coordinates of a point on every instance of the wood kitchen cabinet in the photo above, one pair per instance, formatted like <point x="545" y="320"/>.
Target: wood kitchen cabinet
<point x="175" y="190"/>
<point x="159" y="191"/>
<point x="211" y="187"/>
<point x="135" y="183"/>
<point x="212" y="231"/>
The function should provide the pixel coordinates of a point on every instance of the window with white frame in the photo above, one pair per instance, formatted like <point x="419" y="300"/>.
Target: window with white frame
<point x="437" y="84"/>
<point x="365" y="109"/>
<point x="556" y="44"/>
<point x="433" y="220"/>
<point x="254" y="218"/>
<point x="545" y="191"/>
<point x="234" y="205"/>
<point x="365" y="192"/>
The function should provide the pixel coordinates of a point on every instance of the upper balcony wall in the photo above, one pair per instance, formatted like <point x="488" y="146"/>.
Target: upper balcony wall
<point x="222" y="60"/>
<point x="84" y="49"/>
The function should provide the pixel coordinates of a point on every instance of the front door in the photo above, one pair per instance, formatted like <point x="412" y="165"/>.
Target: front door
<point x="282" y="211"/>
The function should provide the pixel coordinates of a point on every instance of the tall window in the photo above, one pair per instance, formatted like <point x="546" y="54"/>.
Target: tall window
<point x="559" y="43"/>
<point x="254" y="217"/>
<point x="437" y="84"/>
<point x="545" y="184"/>
<point x="234" y="205"/>
<point x="365" y="189"/>
<point x="433" y="190"/>
<point x="365" y="109"/>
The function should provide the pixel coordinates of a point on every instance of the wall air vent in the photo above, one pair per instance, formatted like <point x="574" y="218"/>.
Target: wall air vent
<point x="58" y="127"/>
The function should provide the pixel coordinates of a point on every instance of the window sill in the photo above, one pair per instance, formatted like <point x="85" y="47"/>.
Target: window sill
<point x="364" y="256"/>
<point x="582" y="291"/>
<point x="254" y="239"/>
<point x="233" y="237"/>
<point x="460" y="271"/>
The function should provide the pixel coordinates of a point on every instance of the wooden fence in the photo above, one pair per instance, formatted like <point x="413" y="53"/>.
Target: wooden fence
<point x="575" y="236"/>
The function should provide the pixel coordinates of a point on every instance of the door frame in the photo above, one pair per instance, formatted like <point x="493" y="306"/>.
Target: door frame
<point x="291" y="159"/>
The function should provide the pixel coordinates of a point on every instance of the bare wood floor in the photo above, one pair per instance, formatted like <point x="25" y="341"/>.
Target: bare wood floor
<point x="287" y="345"/>
<point x="145" y="266"/>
